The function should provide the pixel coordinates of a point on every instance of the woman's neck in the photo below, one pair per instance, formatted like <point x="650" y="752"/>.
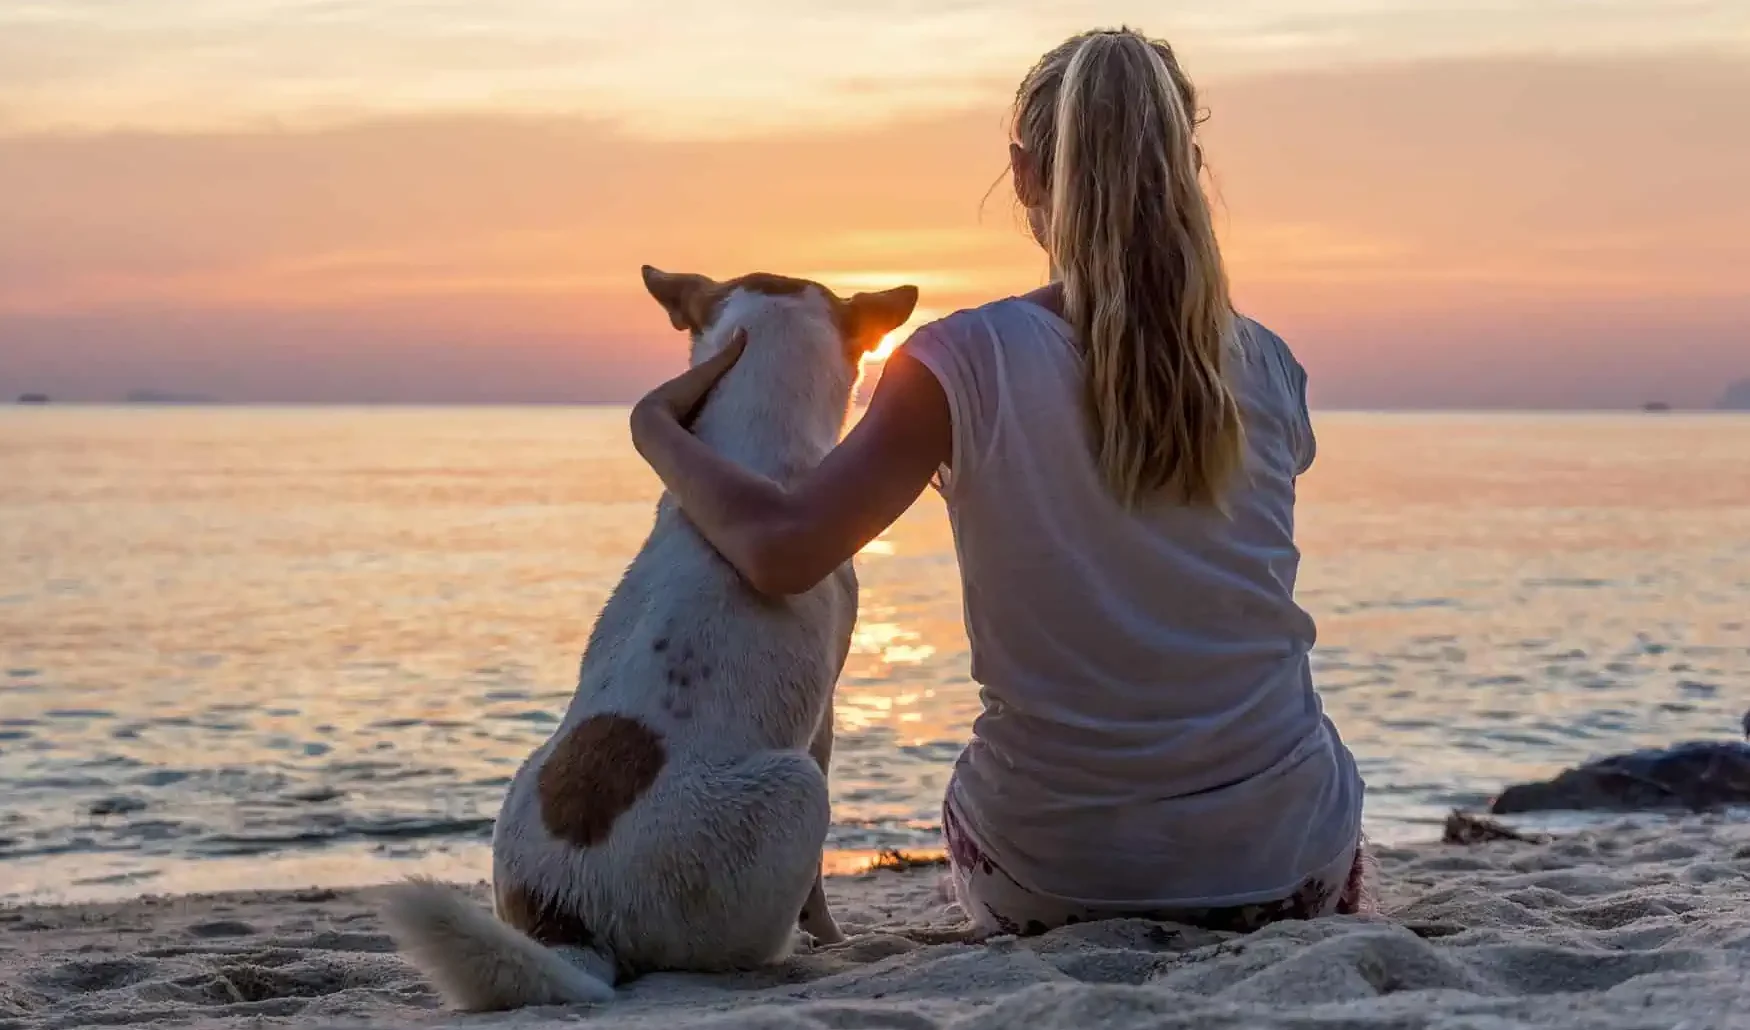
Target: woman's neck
<point x="1049" y="297"/>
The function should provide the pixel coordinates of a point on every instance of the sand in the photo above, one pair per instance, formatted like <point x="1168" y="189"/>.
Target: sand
<point x="1644" y="924"/>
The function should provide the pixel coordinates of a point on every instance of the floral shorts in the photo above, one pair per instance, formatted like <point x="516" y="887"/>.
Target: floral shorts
<point x="997" y="904"/>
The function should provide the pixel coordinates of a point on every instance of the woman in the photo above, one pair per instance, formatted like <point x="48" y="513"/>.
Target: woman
<point x="1118" y="451"/>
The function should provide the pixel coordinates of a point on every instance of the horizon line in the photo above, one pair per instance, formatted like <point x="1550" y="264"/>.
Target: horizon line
<point x="30" y="401"/>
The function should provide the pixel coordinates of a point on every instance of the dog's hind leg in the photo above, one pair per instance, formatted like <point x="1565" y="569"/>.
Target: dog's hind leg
<point x="816" y="919"/>
<point x="741" y="849"/>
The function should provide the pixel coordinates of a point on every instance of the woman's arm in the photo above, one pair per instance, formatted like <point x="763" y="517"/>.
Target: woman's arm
<point x="785" y="540"/>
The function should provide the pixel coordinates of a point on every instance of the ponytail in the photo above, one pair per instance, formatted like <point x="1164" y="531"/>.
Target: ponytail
<point x="1111" y="121"/>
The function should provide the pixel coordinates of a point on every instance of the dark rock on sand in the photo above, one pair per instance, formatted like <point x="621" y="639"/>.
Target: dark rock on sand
<point x="119" y="804"/>
<point x="1696" y="775"/>
<point x="1466" y="828"/>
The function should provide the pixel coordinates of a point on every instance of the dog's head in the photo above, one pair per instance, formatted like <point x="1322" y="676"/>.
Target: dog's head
<point x="698" y="304"/>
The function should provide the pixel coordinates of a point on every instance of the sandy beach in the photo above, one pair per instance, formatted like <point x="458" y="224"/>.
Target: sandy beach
<point x="1644" y="924"/>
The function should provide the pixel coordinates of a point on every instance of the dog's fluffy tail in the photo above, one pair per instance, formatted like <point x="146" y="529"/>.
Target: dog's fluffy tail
<point x="479" y="963"/>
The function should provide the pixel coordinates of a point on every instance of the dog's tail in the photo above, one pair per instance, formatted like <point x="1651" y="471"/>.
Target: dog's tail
<point x="481" y="964"/>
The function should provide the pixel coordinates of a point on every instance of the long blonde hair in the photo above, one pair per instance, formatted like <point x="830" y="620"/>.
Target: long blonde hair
<point x="1110" y="122"/>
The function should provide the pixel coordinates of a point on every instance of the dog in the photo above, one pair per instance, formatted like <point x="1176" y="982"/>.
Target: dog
<point x="676" y="817"/>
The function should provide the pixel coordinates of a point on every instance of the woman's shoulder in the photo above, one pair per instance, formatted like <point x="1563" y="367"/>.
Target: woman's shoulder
<point x="982" y="324"/>
<point x="1280" y="387"/>
<point x="967" y="349"/>
<point x="962" y="320"/>
<point x="1259" y="341"/>
<point x="947" y="346"/>
<point x="1253" y="331"/>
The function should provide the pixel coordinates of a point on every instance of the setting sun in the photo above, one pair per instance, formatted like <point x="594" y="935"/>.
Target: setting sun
<point x="892" y="340"/>
<point x="400" y="201"/>
<point x="888" y="344"/>
<point x="927" y="282"/>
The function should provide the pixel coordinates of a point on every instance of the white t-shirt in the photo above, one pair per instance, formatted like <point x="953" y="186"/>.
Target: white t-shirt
<point x="1151" y="737"/>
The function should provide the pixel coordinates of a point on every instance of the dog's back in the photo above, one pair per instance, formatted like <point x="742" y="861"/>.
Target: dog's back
<point x="675" y="808"/>
<point x="688" y="648"/>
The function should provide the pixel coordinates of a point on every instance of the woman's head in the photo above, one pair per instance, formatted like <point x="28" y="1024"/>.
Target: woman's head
<point x="1106" y="162"/>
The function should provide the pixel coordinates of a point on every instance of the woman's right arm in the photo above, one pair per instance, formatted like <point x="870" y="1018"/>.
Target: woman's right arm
<point x="785" y="539"/>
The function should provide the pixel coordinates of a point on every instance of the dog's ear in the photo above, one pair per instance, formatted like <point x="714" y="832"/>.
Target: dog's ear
<point x="873" y="315"/>
<point x="686" y="297"/>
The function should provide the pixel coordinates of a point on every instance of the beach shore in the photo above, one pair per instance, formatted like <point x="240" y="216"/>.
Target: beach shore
<point x="1643" y="924"/>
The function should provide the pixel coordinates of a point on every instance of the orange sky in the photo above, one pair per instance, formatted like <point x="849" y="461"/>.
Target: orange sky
<point x="1525" y="205"/>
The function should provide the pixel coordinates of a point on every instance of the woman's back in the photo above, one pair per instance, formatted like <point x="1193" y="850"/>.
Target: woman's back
<point x="1120" y="470"/>
<point x="1144" y="669"/>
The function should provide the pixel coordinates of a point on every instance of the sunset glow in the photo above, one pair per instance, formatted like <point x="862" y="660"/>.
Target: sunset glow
<point x="890" y="343"/>
<point x="431" y="201"/>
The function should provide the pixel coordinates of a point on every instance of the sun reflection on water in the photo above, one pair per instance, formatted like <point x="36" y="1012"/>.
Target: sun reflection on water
<point x="264" y="637"/>
<point x="892" y="643"/>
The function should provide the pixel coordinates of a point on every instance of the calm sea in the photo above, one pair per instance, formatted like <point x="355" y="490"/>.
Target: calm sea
<point x="266" y="647"/>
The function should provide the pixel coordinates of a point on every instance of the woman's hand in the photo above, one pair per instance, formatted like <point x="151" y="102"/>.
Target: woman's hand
<point x="681" y="397"/>
<point x="785" y="538"/>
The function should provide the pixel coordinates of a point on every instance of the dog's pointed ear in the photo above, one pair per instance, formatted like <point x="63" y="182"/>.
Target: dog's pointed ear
<point x="874" y="315"/>
<point x="685" y="296"/>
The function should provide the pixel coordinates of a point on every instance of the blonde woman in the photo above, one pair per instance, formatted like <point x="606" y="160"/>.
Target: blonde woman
<point x="1118" y="451"/>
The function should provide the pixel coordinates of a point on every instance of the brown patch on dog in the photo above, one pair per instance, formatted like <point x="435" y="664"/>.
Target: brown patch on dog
<point x="594" y="774"/>
<point x="693" y="303"/>
<point x="542" y="920"/>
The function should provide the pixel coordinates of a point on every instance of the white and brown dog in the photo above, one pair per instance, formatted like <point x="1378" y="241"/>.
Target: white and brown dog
<point x="675" y="819"/>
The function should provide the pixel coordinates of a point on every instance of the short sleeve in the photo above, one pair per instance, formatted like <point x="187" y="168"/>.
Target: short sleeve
<point x="952" y="355"/>
<point x="1306" y="444"/>
<point x="1287" y="391"/>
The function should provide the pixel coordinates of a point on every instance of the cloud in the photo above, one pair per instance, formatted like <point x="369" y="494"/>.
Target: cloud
<point x="1560" y="174"/>
<point x="688" y="68"/>
<point x="1546" y="231"/>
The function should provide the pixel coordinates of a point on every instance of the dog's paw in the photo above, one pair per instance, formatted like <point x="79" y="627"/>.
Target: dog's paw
<point x="818" y="925"/>
<point x="827" y="940"/>
<point x="807" y="943"/>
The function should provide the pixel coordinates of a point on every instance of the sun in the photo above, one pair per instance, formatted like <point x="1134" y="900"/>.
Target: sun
<point x="890" y="343"/>
<point x="844" y="283"/>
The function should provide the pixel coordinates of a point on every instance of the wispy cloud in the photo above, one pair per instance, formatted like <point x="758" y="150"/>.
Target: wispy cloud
<point x="696" y="69"/>
<point x="1439" y="232"/>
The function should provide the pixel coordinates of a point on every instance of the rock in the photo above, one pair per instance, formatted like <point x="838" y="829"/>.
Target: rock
<point x="1697" y="775"/>
<point x="1465" y="828"/>
<point x="118" y="804"/>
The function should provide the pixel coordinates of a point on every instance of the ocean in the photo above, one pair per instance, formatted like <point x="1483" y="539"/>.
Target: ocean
<point x="279" y="647"/>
